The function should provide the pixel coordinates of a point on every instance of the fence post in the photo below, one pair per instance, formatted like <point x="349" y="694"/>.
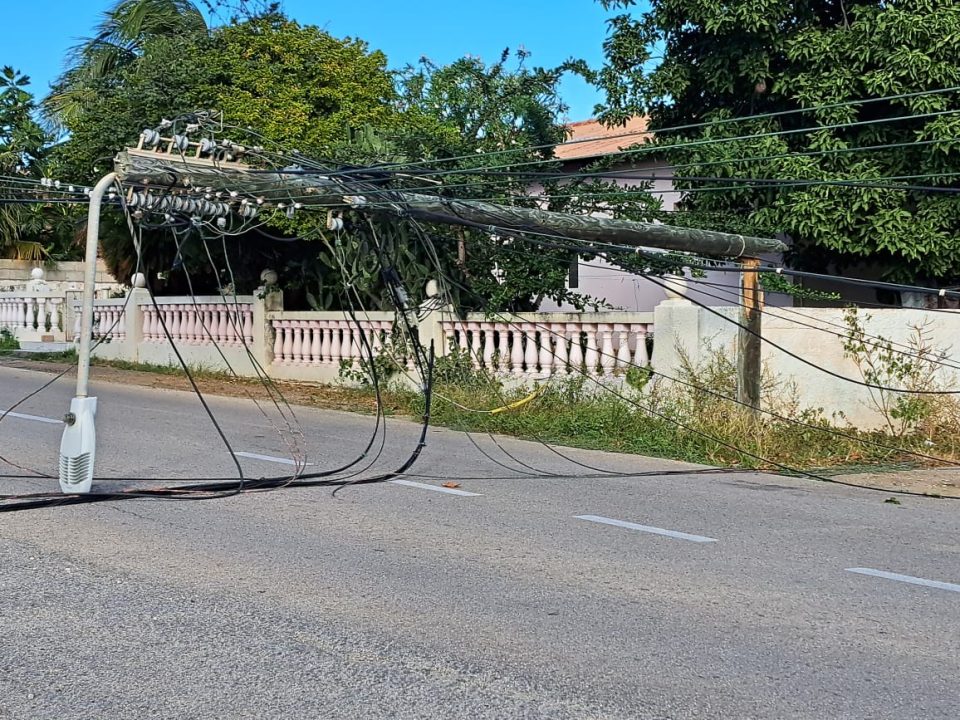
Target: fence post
<point x="749" y="366"/>
<point x="264" y="303"/>
<point x="137" y="298"/>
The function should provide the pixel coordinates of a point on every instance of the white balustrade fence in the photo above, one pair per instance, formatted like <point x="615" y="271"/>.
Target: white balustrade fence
<point x="206" y="321"/>
<point x="39" y="312"/>
<point x="543" y="344"/>
<point x="109" y="319"/>
<point x="327" y="338"/>
<point x="253" y="333"/>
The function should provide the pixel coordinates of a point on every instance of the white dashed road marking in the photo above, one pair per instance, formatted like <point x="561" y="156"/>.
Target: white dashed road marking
<point x="952" y="587"/>
<point x="35" y="418"/>
<point x="269" y="458"/>
<point x="435" y="488"/>
<point x="646" y="529"/>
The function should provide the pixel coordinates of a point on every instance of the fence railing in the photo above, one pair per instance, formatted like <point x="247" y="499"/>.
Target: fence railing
<point x="314" y="345"/>
<point x="199" y="321"/>
<point x="315" y="338"/>
<point x="109" y="319"/>
<point x="23" y="312"/>
<point x="542" y="344"/>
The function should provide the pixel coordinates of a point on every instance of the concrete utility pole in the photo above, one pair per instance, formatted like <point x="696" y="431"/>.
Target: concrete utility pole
<point x="166" y="172"/>
<point x="749" y="365"/>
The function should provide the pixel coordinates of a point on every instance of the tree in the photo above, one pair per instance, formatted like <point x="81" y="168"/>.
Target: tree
<point x="27" y="231"/>
<point x="120" y="39"/>
<point x="847" y="64"/>
<point x="286" y="86"/>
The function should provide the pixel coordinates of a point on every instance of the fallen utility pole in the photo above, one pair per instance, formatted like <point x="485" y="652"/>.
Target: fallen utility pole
<point x="145" y="168"/>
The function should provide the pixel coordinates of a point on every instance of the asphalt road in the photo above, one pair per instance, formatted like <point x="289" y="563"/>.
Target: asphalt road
<point x="684" y="596"/>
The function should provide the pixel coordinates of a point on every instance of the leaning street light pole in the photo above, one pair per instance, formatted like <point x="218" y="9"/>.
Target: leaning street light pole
<point x="79" y="443"/>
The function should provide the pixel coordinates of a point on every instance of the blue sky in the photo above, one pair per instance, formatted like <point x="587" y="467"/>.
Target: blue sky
<point x="39" y="32"/>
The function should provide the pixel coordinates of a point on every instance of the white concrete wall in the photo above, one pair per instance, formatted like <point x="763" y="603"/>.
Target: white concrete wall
<point x="14" y="273"/>
<point x="680" y="324"/>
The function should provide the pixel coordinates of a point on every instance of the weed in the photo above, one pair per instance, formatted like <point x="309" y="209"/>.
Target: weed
<point x="8" y="341"/>
<point x="915" y="368"/>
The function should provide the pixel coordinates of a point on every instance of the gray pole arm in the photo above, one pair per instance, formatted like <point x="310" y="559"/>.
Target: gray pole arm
<point x="89" y="280"/>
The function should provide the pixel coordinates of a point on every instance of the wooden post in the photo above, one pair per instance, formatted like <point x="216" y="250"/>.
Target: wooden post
<point x="749" y="365"/>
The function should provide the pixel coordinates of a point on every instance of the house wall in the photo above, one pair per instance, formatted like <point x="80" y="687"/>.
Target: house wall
<point x="626" y="291"/>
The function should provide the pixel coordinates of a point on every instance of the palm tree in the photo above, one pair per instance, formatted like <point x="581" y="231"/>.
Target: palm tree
<point x="119" y="41"/>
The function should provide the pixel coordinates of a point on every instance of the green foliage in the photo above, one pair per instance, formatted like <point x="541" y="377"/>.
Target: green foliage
<point x="781" y="285"/>
<point x="284" y="85"/>
<point x="7" y="341"/>
<point x="22" y="140"/>
<point x="723" y="60"/>
<point x="27" y="231"/>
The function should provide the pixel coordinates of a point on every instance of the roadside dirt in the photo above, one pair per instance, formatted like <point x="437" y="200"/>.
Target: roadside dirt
<point x="936" y="482"/>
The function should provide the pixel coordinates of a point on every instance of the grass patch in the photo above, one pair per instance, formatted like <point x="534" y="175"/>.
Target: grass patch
<point x="7" y="341"/>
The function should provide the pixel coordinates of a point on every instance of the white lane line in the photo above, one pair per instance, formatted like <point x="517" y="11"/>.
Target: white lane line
<point x="646" y="528"/>
<point x="268" y="458"/>
<point x="952" y="587"/>
<point x="435" y="488"/>
<point x="35" y="418"/>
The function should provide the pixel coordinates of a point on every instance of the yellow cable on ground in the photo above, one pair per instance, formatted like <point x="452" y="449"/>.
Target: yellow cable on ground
<point x="519" y="403"/>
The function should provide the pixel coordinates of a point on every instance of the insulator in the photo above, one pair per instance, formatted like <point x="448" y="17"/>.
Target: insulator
<point x="151" y="138"/>
<point x="207" y="146"/>
<point x="181" y="142"/>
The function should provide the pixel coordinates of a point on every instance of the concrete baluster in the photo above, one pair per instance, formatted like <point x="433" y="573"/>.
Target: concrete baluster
<point x="277" y="340"/>
<point x="558" y="332"/>
<point x="378" y="334"/>
<point x="325" y="332"/>
<point x="463" y="342"/>
<point x="174" y="325"/>
<point x="503" y="346"/>
<point x="592" y="356"/>
<point x="530" y="347"/>
<point x="336" y="344"/>
<point x="188" y="323"/>
<point x="149" y="323"/>
<point x="623" y="345"/>
<point x="547" y="358"/>
<point x="640" y="356"/>
<point x="576" y="348"/>
<point x="297" y="347"/>
<point x="316" y="341"/>
<point x="475" y="347"/>
<point x="247" y="327"/>
<point x="287" y="342"/>
<point x="488" y="348"/>
<point x="516" y="348"/>
<point x="41" y="315"/>
<point x="449" y="332"/>
<point x="55" y="314"/>
<point x="608" y="358"/>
